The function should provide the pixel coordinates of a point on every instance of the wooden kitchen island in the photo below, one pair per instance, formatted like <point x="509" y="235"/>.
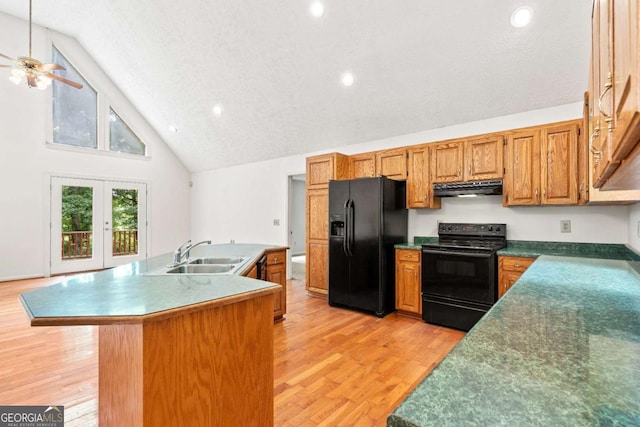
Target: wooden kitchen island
<point x="179" y="350"/>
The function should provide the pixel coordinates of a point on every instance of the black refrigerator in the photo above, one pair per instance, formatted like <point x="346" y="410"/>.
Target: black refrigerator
<point x="367" y="217"/>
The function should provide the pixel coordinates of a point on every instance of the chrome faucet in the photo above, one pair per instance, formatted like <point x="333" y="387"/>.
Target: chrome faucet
<point x="182" y="253"/>
<point x="187" y="250"/>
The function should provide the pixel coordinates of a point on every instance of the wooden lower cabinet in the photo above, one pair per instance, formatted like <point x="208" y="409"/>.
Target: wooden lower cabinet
<point x="277" y="273"/>
<point x="408" y="282"/>
<point x="317" y="266"/>
<point x="510" y="268"/>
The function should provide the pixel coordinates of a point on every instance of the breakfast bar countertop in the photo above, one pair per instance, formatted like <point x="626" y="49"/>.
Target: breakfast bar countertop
<point x="132" y="293"/>
<point x="561" y="348"/>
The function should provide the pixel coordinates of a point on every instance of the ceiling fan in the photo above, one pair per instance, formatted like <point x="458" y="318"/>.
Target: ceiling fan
<point x="37" y="74"/>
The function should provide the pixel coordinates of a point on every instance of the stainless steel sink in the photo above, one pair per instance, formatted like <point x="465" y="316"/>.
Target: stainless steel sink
<point x="202" y="269"/>
<point x="214" y="261"/>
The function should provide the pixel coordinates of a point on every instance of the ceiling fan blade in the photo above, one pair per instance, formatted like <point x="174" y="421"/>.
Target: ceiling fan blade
<point x="63" y="80"/>
<point x="50" y="67"/>
<point x="7" y="57"/>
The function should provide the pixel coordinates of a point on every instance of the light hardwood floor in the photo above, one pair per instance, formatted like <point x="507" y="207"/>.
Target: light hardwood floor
<point x="333" y="367"/>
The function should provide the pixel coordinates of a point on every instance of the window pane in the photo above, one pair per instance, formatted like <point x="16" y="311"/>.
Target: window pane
<point x="74" y="110"/>
<point x="121" y="137"/>
<point x="125" y="221"/>
<point x="77" y="222"/>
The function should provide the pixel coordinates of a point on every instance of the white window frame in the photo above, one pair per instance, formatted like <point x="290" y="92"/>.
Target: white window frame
<point x="102" y="114"/>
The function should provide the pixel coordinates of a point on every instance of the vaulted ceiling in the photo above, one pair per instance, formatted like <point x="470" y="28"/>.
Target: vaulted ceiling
<point x="276" y="70"/>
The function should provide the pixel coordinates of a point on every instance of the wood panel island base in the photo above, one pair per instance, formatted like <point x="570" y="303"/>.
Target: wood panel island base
<point x="211" y="367"/>
<point x="174" y="350"/>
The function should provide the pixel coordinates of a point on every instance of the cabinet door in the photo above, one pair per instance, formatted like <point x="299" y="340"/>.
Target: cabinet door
<point x="408" y="286"/>
<point x="362" y="165"/>
<point x="559" y="147"/>
<point x="392" y="164"/>
<point x="483" y="158"/>
<point x="522" y="169"/>
<point x="320" y="169"/>
<point x="419" y="188"/>
<point x="277" y="274"/>
<point x="317" y="268"/>
<point x="506" y="281"/>
<point x="446" y="162"/>
<point x="603" y="164"/>
<point x="318" y="215"/>
<point x="625" y="92"/>
<point x="317" y="240"/>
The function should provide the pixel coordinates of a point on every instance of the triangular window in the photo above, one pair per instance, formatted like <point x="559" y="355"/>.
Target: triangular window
<point x="74" y="110"/>
<point x="122" y="138"/>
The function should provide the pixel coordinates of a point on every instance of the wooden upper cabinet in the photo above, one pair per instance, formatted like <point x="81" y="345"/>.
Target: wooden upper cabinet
<point x="559" y="151"/>
<point x="320" y="169"/>
<point x="521" y="183"/>
<point x="625" y="92"/>
<point x="483" y="158"/>
<point x="419" y="188"/>
<point x="541" y="165"/>
<point x="476" y="159"/>
<point x="392" y="163"/>
<point x="362" y="165"/>
<point x="447" y="162"/>
<point x="614" y="119"/>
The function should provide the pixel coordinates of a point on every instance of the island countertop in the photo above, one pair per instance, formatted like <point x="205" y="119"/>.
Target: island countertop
<point x="562" y="347"/>
<point x="126" y="294"/>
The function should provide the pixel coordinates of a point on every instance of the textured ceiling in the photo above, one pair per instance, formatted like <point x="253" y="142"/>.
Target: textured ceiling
<point x="276" y="70"/>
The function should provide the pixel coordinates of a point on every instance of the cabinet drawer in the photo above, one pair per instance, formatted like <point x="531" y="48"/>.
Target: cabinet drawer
<point x="275" y="258"/>
<point x="408" y="255"/>
<point x="519" y="264"/>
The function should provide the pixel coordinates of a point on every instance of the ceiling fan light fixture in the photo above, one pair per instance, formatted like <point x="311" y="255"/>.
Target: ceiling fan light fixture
<point x="17" y="75"/>
<point x="43" y="82"/>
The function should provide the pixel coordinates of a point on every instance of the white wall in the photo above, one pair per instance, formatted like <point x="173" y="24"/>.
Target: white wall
<point x="255" y="194"/>
<point x="26" y="162"/>
<point x="634" y="226"/>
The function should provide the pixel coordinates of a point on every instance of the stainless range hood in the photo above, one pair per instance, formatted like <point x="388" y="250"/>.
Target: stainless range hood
<point x="468" y="189"/>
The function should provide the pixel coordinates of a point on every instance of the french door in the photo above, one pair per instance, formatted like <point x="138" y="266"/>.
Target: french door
<point x="96" y="224"/>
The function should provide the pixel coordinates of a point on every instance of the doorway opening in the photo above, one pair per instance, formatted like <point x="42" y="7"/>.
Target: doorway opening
<point x="297" y="225"/>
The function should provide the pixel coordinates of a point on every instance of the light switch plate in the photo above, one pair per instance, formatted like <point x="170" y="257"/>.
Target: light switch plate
<point x="565" y="226"/>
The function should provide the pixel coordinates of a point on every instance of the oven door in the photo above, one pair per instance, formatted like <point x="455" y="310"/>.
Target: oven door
<point x="460" y="274"/>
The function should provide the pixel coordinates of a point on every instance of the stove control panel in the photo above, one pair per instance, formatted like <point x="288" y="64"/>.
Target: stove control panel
<point x="478" y="230"/>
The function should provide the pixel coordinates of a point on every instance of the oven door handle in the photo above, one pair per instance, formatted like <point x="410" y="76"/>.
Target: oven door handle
<point x="458" y="253"/>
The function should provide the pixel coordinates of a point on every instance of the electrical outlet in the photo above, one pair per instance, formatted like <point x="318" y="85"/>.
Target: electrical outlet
<point x="565" y="226"/>
<point x="276" y="222"/>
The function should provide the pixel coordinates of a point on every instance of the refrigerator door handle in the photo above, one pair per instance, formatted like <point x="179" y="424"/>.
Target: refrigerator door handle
<point x="351" y="226"/>
<point x="345" y="238"/>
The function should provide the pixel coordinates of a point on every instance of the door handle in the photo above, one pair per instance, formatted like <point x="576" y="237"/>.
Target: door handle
<point x="345" y="238"/>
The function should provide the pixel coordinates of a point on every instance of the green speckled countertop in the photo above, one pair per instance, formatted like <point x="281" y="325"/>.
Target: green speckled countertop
<point x="583" y="250"/>
<point x="128" y="291"/>
<point x="561" y="348"/>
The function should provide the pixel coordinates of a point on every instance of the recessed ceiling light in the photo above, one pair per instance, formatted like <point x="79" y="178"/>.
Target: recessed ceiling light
<point x="348" y="79"/>
<point x="217" y="110"/>
<point x="317" y="9"/>
<point x="521" y="17"/>
<point x="173" y="129"/>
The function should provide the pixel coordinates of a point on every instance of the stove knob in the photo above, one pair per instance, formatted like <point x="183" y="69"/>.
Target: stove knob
<point x="490" y="228"/>
<point x="450" y="228"/>
<point x="497" y="228"/>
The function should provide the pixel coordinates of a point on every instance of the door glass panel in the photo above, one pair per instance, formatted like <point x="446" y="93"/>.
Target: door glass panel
<point x="124" y="204"/>
<point x="77" y="222"/>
